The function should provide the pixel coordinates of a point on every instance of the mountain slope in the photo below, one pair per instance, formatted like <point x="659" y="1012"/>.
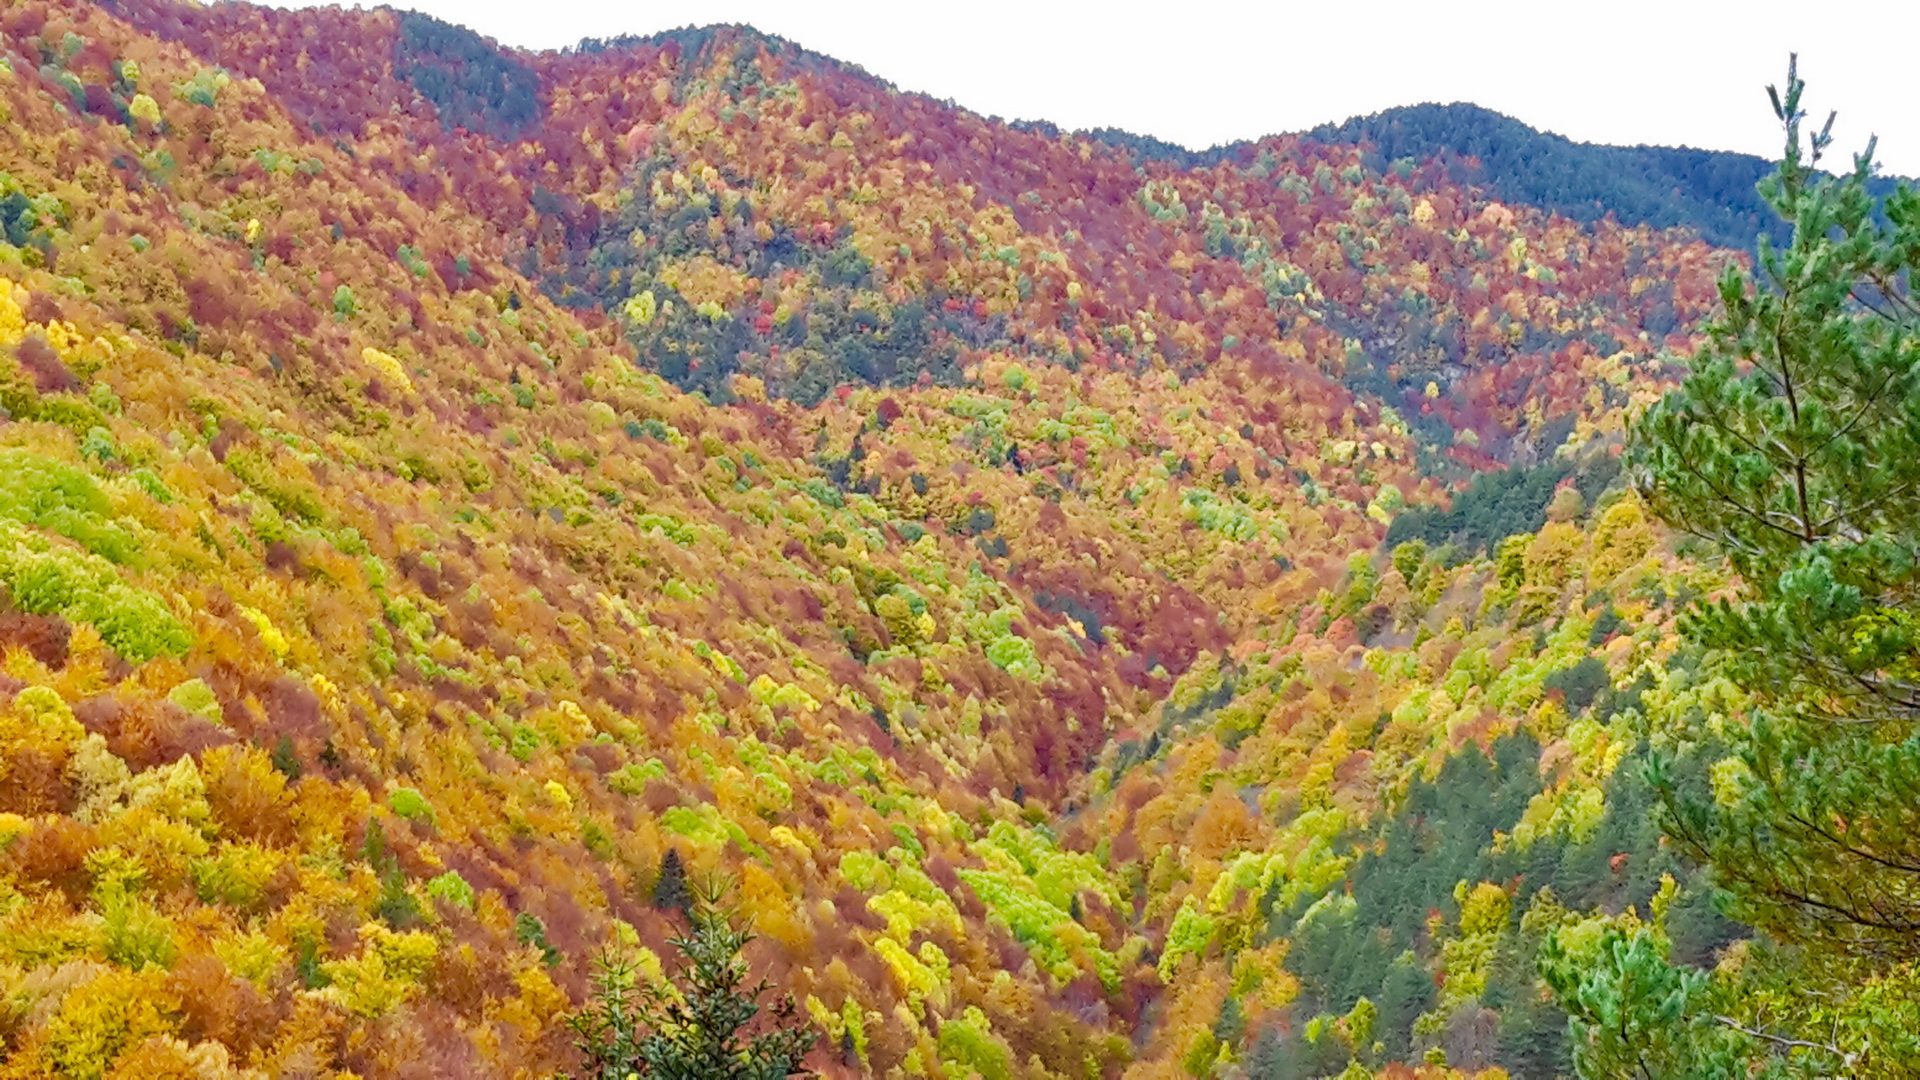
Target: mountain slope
<point x="1708" y="191"/>
<point x="441" y="482"/>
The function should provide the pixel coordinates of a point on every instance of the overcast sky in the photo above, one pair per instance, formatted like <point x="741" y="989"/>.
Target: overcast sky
<point x="1687" y="72"/>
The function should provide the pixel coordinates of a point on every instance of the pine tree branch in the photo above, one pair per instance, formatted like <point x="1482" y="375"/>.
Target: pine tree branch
<point x="1896" y="297"/>
<point x="1870" y="306"/>
<point x="1891" y="864"/>
<point x="1874" y="503"/>
<point x="1845" y="429"/>
<point x="1727" y="498"/>
<point x="1720" y="424"/>
<point x="1846" y="1058"/>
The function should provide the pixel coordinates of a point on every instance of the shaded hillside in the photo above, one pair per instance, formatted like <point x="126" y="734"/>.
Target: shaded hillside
<point x="1708" y="191"/>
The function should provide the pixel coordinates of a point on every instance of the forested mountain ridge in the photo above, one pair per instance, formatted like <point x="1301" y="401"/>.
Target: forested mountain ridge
<point x="1708" y="191"/>
<point x="452" y="494"/>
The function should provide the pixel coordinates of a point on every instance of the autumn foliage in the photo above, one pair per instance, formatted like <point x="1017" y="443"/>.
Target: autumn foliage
<point x="433" y="506"/>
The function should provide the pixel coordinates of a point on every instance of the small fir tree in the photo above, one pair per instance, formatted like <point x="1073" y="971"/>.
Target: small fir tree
<point x="670" y="892"/>
<point x="708" y="1025"/>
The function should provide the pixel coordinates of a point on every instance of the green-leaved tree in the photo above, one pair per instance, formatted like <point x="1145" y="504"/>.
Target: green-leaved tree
<point x="707" y="1026"/>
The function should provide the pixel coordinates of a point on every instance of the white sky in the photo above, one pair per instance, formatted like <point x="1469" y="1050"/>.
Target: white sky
<point x="1689" y="72"/>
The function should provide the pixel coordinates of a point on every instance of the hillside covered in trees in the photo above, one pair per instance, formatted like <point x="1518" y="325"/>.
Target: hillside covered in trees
<point x="1708" y="191"/>
<point x="1108" y="613"/>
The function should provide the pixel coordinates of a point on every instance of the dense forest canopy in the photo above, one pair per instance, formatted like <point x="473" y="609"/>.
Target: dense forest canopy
<point x="672" y="557"/>
<point x="1708" y="191"/>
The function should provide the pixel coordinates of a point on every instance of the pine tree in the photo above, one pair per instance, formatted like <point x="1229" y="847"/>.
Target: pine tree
<point x="701" y="1028"/>
<point x="1792" y="449"/>
<point x="1633" y="1014"/>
